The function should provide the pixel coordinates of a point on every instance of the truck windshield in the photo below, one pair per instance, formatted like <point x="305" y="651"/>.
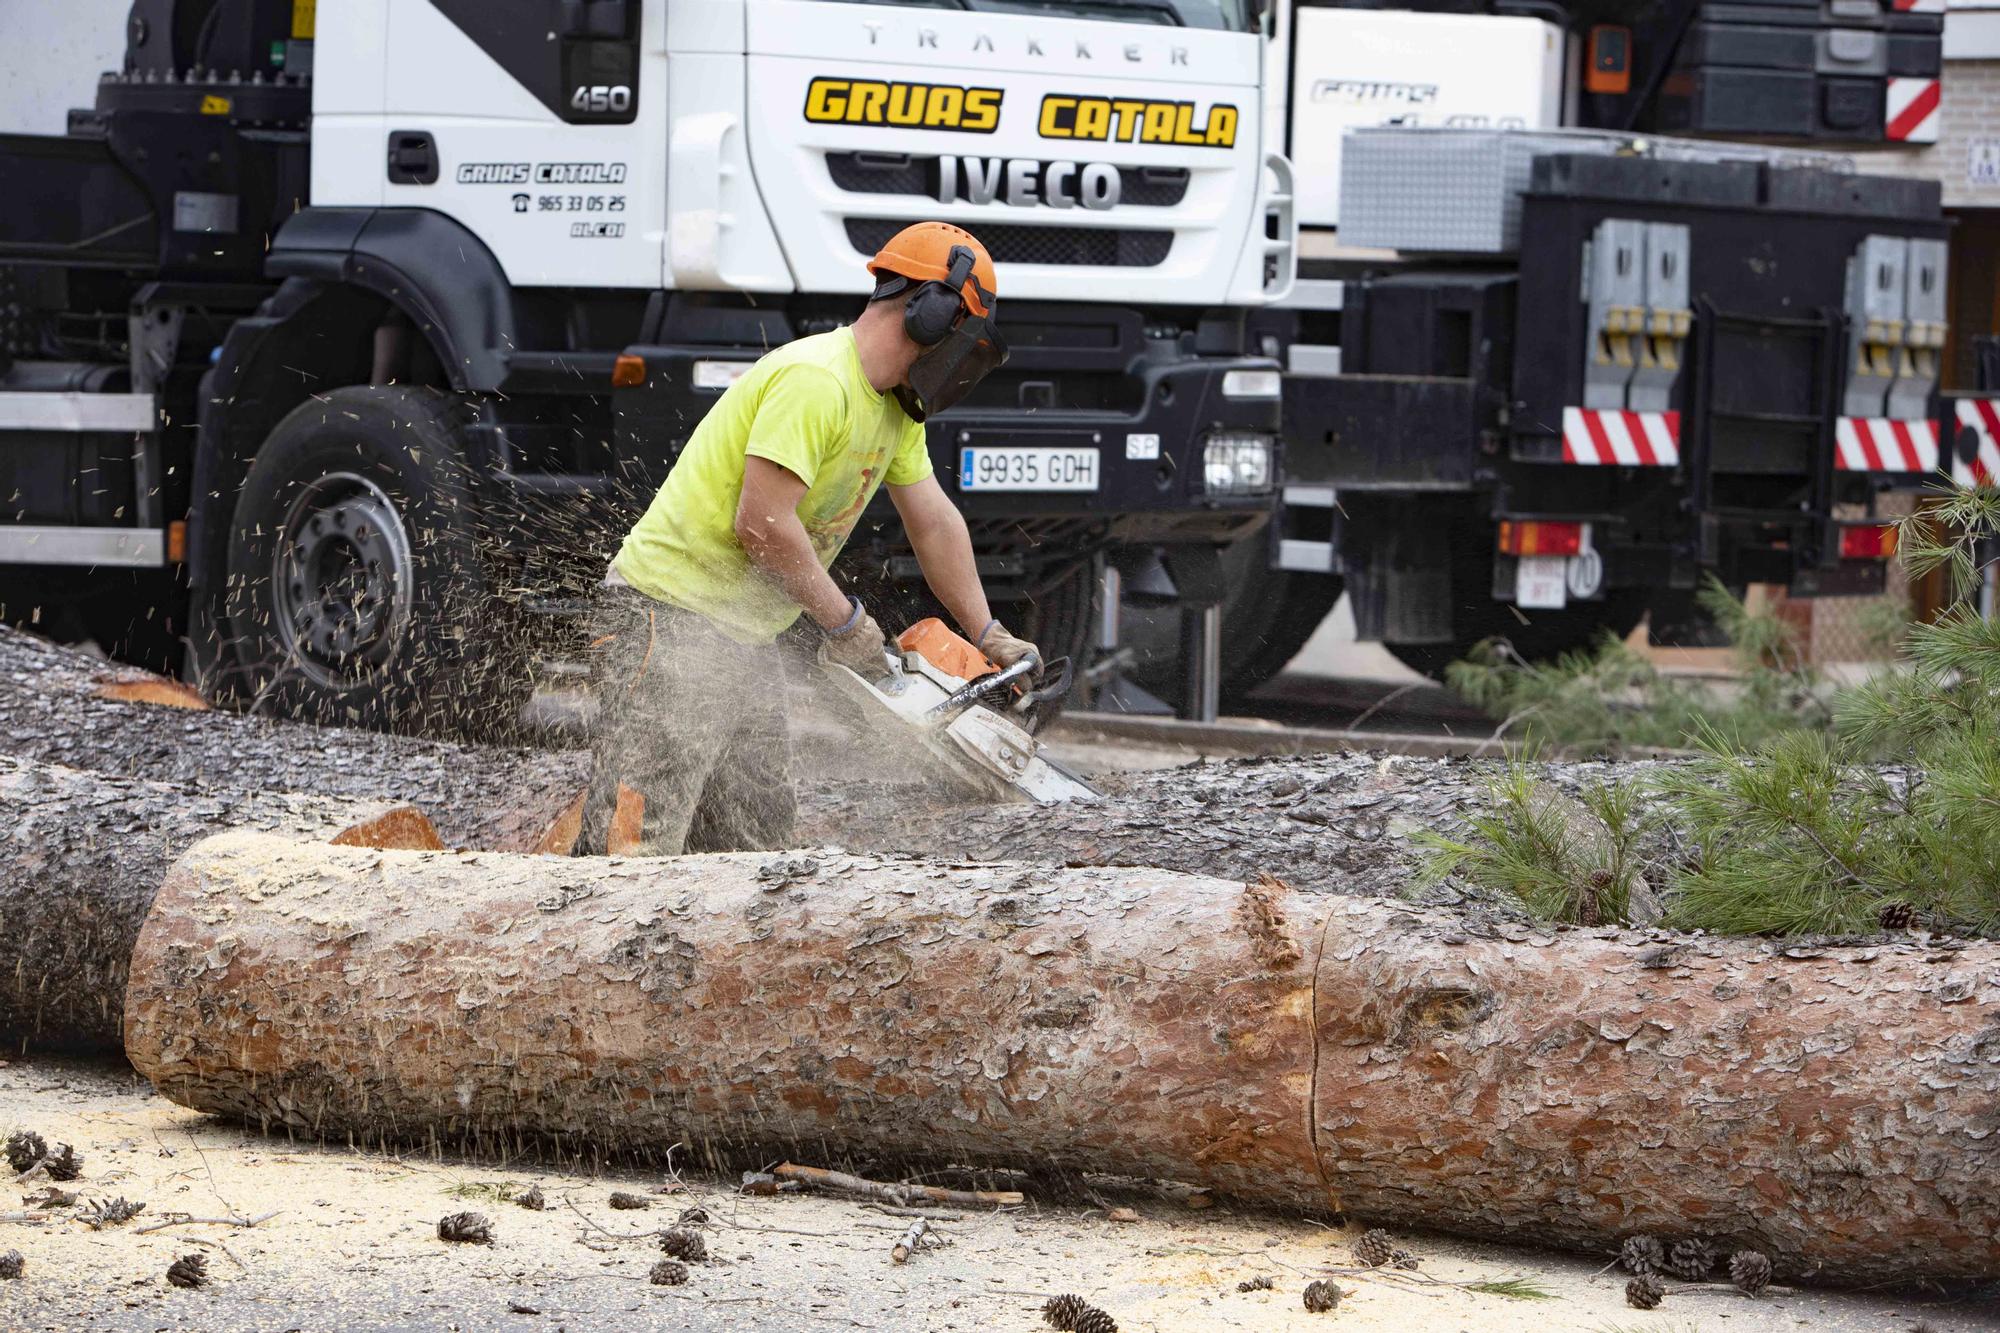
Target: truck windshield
<point x="1230" y="15"/>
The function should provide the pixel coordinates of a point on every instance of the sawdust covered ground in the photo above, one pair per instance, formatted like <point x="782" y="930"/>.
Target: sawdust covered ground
<point x="352" y="1245"/>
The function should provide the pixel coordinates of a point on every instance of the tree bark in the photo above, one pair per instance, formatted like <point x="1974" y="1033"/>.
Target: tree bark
<point x="60" y="706"/>
<point x="83" y="855"/>
<point x="1838" y="1111"/>
<point x="1339" y="823"/>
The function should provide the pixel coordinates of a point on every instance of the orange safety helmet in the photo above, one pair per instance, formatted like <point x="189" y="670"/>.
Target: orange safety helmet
<point x="922" y="253"/>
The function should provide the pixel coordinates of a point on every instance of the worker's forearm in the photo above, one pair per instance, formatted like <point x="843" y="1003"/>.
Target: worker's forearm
<point x="944" y="550"/>
<point x="784" y="554"/>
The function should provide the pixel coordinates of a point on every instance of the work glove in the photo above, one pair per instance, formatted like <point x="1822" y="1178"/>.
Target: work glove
<point x="1004" y="650"/>
<point x="861" y="648"/>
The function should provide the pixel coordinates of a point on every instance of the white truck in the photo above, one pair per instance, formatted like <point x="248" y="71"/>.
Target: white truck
<point x="338" y="344"/>
<point x="1591" y="306"/>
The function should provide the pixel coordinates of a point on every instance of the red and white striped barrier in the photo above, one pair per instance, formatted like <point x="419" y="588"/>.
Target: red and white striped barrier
<point x="1614" y="437"/>
<point x="1982" y="416"/>
<point x="1882" y="444"/>
<point x="1919" y="6"/>
<point x="1913" y="110"/>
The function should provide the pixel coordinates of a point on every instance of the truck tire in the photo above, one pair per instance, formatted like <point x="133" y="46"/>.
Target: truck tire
<point x="1061" y="620"/>
<point x="1546" y="635"/>
<point x="1268" y="616"/>
<point x="357" y="592"/>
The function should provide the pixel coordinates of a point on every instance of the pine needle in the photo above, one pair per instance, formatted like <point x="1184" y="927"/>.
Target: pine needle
<point x="1514" y="1288"/>
<point x="494" y="1190"/>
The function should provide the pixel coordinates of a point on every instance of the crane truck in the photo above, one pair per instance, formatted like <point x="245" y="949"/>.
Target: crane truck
<point x="336" y="345"/>
<point x="1592" y="305"/>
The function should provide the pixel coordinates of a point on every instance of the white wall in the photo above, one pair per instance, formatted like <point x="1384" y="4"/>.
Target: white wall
<point x="51" y="52"/>
<point x="1966" y="157"/>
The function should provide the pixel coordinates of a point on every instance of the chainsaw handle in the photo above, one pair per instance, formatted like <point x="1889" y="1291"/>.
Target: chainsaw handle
<point x="1051" y="692"/>
<point x="973" y="691"/>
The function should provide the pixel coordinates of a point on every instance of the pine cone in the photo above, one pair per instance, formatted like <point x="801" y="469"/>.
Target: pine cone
<point x="667" y="1273"/>
<point x="1750" y="1270"/>
<point x="1061" y="1312"/>
<point x="1374" y="1249"/>
<point x="1642" y="1254"/>
<point x="110" y="1212"/>
<point x="531" y="1197"/>
<point x="466" y="1229"/>
<point x="1404" y="1259"/>
<point x="692" y="1217"/>
<point x="12" y="1264"/>
<point x="64" y="1164"/>
<point x="628" y="1202"/>
<point x="681" y="1243"/>
<point x="190" y="1270"/>
<point x="1691" y="1259"/>
<point x="1094" y="1320"/>
<point x="1644" y="1292"/>
<point x="1897" y="915"/>
<point x="1264" y="1283"/>
<point x="24" y="1149"/>
<point x="1590" y="906"/>
<point x="1321" y="1297"/>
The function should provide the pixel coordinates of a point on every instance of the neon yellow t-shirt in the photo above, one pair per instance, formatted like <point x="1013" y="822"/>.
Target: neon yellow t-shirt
<point x="808" y="408"/>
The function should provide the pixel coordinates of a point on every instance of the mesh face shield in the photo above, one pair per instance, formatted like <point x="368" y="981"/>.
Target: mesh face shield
<point x="948" y="370"/>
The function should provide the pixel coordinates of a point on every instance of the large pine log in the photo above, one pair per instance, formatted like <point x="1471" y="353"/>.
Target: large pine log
<point x="83" y="855"/>
<point x="60" y="706"/>
<point x="1838" y="1110"/>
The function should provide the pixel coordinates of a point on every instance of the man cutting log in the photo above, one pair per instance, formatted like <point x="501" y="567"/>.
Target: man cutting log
<point x="737" y="544"/>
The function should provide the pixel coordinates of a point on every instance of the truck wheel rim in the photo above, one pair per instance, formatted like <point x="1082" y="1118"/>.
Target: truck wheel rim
<point x="342" y="580"/>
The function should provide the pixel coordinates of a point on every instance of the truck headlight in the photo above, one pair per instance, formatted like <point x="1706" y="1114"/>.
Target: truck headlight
<point x="1238" y="464"/>
<point x="1252" y="384"/>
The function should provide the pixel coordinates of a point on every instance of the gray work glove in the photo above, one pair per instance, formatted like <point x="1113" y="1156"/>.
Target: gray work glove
<point x="862" y="649"/>
<point x="1004" y="650"/>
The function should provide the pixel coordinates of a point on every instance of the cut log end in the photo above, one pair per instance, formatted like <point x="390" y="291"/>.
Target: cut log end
<point x="560" y="839"/>
<point x="156" y="690"/>
<point x="628" y="823"/>
<point x="405" y="829"/>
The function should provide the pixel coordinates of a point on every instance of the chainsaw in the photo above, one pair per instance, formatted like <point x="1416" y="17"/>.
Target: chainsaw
<point x="975" y="721"/>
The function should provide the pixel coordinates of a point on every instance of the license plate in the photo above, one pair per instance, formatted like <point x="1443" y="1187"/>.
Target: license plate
<point x="1034" y="469"/>
<point x="1540" y="582"/>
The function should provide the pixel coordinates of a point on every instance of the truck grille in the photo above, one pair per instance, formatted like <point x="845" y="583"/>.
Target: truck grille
<point x="1012" y="243"/>
<point x="905" y="173"/>
<point x="883" y="173"/>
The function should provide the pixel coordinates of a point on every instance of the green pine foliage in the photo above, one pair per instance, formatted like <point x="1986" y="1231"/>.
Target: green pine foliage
<point x="1612" y="700"/>
<point x="1893" y="812"/>
<point x="1795" y="839"/>
<point x="1563" y="859"/>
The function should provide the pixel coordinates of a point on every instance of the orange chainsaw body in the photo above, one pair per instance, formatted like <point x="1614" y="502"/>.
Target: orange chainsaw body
<point x="934" y="641"/>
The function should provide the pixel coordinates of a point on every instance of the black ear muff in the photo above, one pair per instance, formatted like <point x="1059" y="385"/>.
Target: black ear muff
<point x="931" y="311"/>
<point x="934" y="307"/>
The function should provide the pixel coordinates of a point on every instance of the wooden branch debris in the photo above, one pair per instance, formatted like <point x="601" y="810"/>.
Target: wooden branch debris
<point x="184" y="1220"/>
<point x="916" y="1238"/>
<point x="1836" y="1112"/>
<point x="897" y="1194"/>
